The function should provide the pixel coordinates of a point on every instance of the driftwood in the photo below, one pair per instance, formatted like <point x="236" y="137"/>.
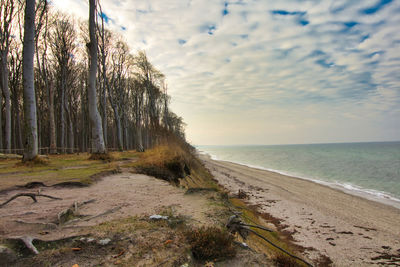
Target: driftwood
<point x="31" y="195"/>
<point x="235" y="225"/>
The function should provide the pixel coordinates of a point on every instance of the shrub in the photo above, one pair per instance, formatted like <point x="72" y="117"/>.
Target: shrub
<point x="211" y="243"/>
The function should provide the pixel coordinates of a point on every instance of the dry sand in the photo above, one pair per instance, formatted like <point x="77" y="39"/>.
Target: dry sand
<point x="350" y="230"/>
<point x="119" y="195"/>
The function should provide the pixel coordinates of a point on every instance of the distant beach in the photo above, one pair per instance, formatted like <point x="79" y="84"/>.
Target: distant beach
<point x="350" y="230"/>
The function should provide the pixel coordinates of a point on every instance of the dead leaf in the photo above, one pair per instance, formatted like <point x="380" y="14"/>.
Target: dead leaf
<point x="75" y="265"/>
<point x="119" y="254"/>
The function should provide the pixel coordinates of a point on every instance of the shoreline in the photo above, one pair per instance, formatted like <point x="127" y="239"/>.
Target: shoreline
<point x="349" y="229"/>
<point x="365" y="193"/>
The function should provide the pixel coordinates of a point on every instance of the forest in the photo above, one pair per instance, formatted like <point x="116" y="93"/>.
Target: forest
<point x="70" y="85"/>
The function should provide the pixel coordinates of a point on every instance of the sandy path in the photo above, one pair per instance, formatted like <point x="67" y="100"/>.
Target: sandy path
<point x="126" y="194"/>
<point x="352" y="231"/>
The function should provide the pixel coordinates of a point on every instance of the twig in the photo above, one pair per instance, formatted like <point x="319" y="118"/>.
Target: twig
<point x="31" y="195"/>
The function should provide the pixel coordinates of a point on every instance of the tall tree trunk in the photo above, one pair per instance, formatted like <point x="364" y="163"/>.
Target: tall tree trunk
<point x="95" y="119"/>
<point x="7" y="98"/>
<point x="31" y="142"/>
<point x="138" y="135"/>
<point x="119" y="130"/>
<point x="52" y="121"/>
<point x="62" y="112"/>
<point x="70" y="142"/>
<point x="104" y="119"/>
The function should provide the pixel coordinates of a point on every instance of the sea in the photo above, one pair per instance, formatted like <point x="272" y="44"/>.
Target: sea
<point x="370" y="170"/>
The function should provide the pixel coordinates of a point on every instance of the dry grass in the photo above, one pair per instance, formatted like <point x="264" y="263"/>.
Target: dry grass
<point x="283" y="240"/>
<point x="211" y="243"/>
<point x="102" y="156"/>
<point x="168" y="162"/>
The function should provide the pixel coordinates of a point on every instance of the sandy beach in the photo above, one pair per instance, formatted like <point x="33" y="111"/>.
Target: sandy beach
<point x="350" y="230"/>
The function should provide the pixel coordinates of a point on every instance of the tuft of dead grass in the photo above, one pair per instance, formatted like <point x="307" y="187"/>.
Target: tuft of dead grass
<point x="168" y="162"/>
<point x="211" y="243"/>
<point x="101" y="156"/>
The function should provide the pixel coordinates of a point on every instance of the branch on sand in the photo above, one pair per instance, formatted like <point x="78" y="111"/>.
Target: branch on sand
<point x="31" y="195"/>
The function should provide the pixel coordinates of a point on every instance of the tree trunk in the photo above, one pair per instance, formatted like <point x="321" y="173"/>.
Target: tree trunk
<point x="7" y="98"/>
<point x="119" y="130"/>
<point x="52" y="121"/>
<point x="31" y="142"/>
<point x="104" y="104"/>
<point x="94" y="116"/>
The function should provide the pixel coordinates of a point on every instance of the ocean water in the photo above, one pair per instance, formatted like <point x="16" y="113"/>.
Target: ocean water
<point x="371" y="170"/>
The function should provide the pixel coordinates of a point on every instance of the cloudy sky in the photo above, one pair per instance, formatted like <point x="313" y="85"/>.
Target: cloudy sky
<point x="267" y="71"/>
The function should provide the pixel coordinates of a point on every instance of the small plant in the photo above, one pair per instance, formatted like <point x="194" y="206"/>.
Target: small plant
<point x="211" y="243"/>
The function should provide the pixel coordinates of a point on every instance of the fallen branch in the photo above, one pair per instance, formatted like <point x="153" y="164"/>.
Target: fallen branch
<point x="31" y="195"/>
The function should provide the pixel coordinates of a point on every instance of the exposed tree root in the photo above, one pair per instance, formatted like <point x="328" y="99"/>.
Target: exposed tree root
<point x="28" y="243"/>
<point x="31" y="195"/>
<point x="46" y="225"/>
<point x="104" y="213"/>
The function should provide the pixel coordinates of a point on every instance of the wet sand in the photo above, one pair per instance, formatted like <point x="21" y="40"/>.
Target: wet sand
<point x="350" y="230"/>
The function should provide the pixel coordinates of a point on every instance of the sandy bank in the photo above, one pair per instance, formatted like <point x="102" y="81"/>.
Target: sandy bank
<point x="351" y="230"/>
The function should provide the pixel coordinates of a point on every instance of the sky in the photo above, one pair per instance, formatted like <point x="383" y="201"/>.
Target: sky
<point x="267" y="71"/>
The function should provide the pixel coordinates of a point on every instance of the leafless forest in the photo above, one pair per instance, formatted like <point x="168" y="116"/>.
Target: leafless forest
<point x="89" y="92"/>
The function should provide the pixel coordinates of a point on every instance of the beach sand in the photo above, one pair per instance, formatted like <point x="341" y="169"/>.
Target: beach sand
<point x="350" y="230"/>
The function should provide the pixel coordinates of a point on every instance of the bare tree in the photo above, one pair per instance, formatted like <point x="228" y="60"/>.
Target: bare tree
<point x="7" y="13"/>
<point x="30" y="119"/>
<point x="98" y="145"/>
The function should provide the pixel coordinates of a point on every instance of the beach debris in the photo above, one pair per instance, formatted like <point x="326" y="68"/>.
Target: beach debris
<point x="31" y="195"/>
<point x="104" y="242"/>
<point x="157" y="217"/>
